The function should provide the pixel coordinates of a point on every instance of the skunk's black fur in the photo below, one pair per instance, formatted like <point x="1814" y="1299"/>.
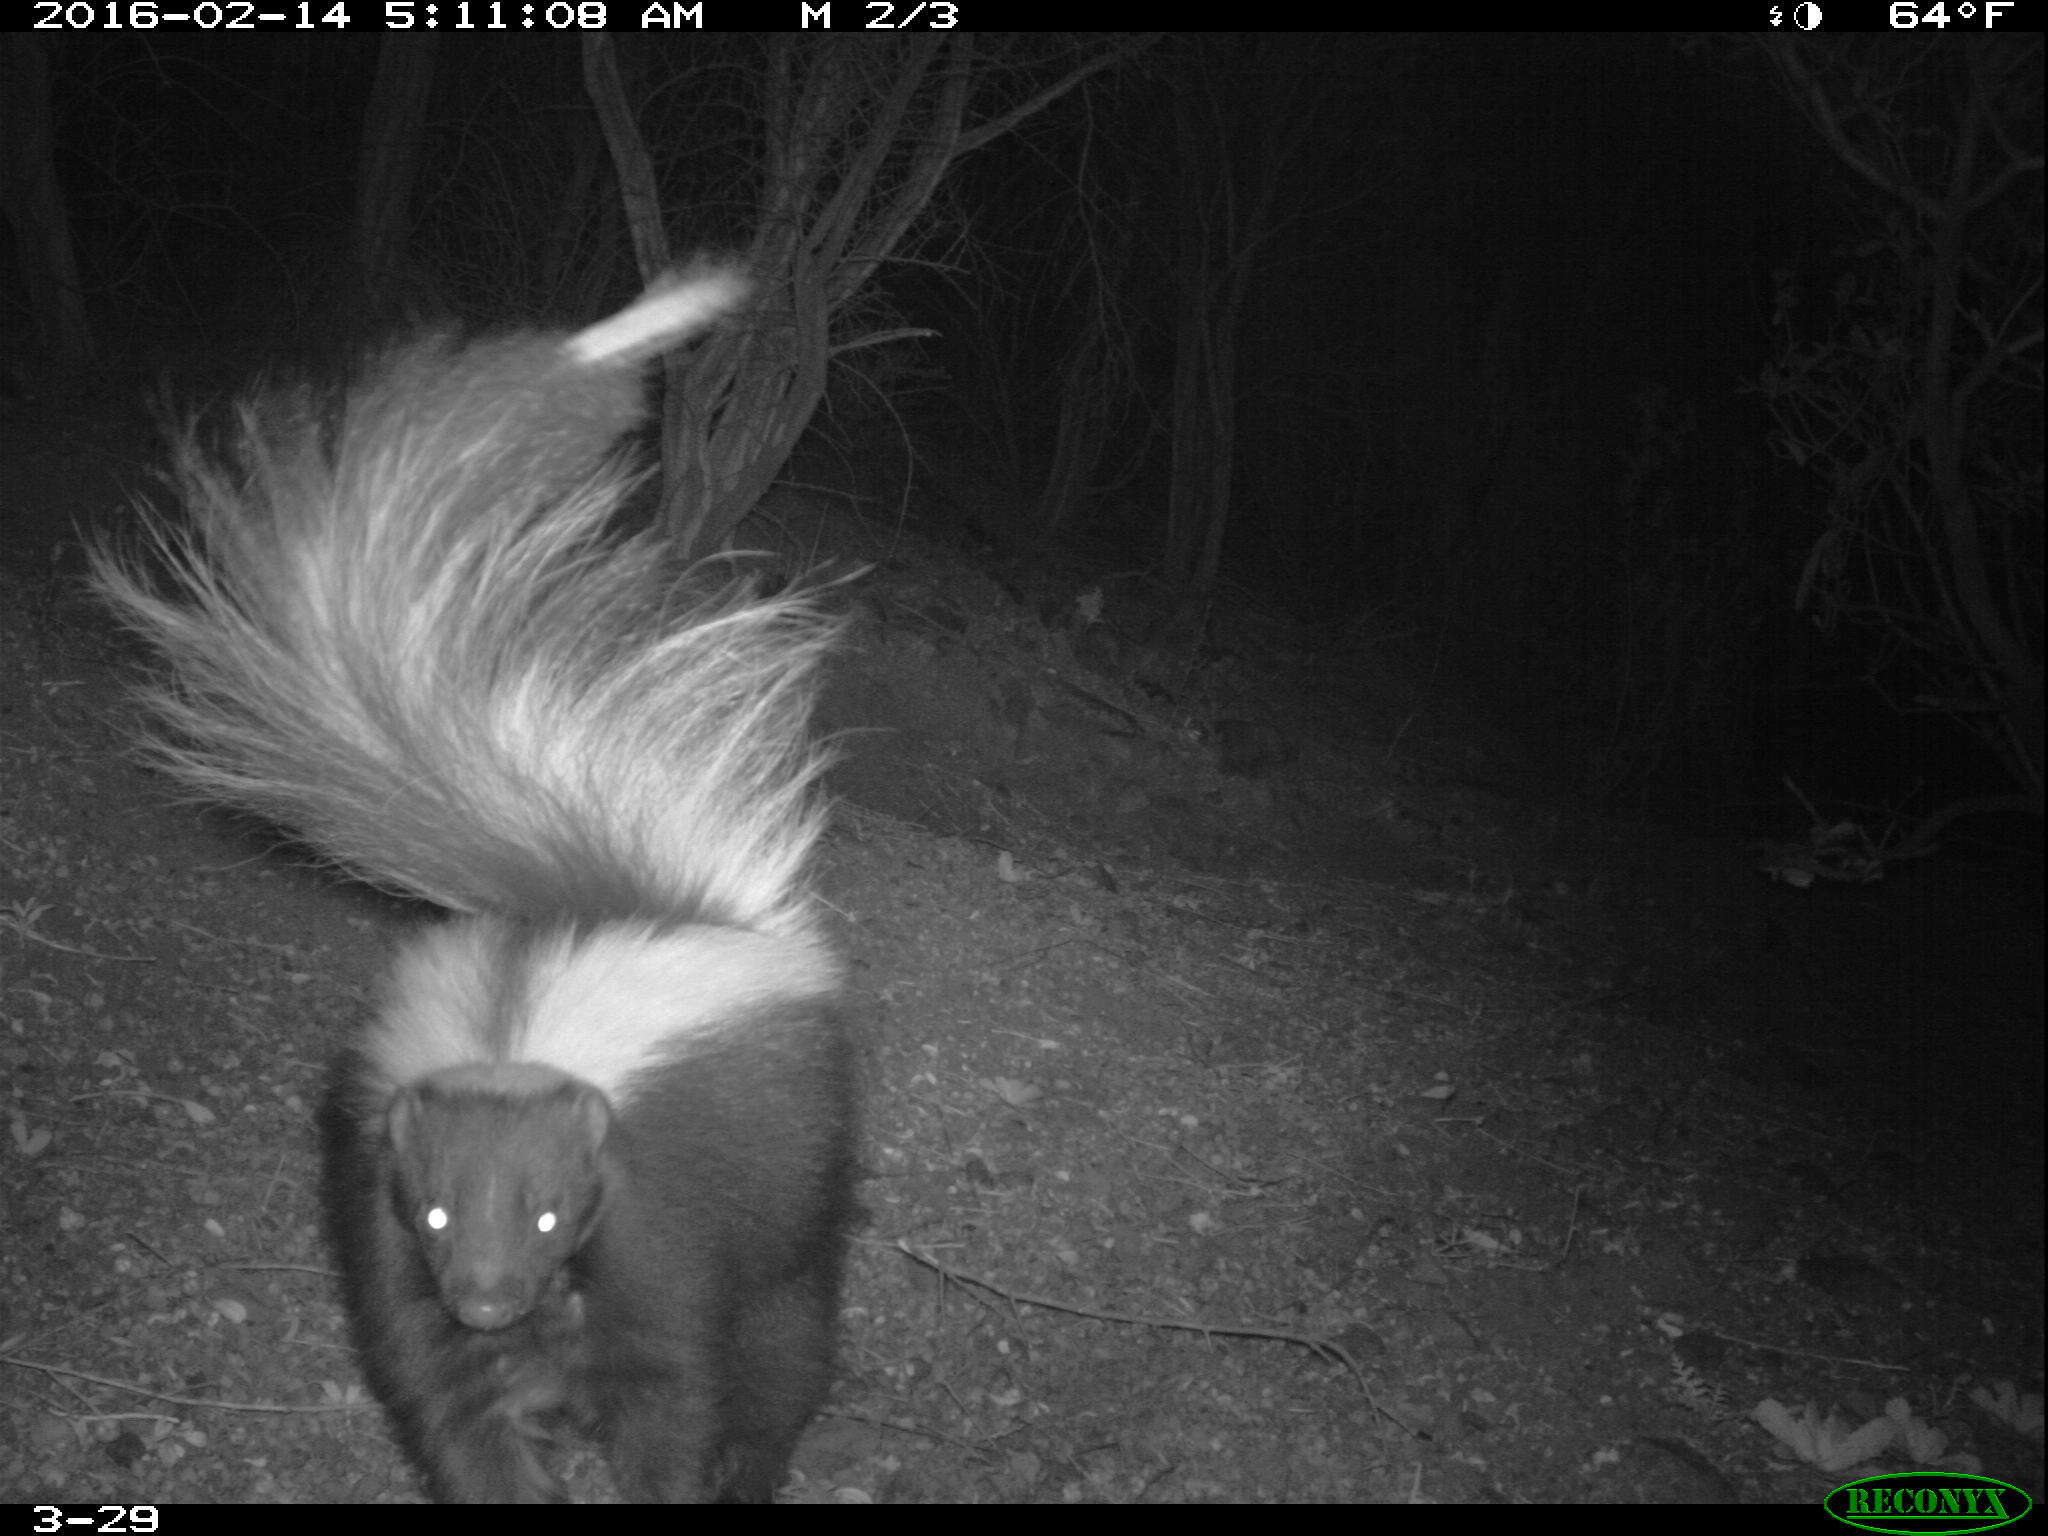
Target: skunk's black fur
<point x="590" y="1165"/>
<point x="683" y="1305"/>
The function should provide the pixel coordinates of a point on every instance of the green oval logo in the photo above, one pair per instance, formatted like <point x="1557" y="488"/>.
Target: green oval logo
<point x="1946" y="1502"/>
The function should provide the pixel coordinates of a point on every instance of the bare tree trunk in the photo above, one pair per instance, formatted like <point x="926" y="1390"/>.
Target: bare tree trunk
<point x="389" y="163"/>
<point x="1234" y="147"/>
<point x="630" y="163"/>
<point x="32" y="200"/>
<point x="1080" y="433"/>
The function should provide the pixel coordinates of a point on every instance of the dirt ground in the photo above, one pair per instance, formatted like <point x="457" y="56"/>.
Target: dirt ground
<point x="1368" y="1123"/>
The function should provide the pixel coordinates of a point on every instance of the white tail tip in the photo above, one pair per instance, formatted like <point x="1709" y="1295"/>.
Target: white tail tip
<point x="676" y="306"/>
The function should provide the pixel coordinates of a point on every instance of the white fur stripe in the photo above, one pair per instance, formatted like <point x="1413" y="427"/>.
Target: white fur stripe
<point x="622" y="1000"/>
<point x="603" y="1008"/>
<point x="437" y="1002"/>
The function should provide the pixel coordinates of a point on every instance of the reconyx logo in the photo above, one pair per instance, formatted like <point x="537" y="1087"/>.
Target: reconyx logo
<point x="1946" y="1502"/>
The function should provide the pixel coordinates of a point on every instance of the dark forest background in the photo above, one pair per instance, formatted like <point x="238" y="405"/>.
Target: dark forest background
<point x="1680" y="396"/>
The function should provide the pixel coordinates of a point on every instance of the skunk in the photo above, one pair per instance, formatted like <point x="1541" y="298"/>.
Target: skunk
<point x="590" y="1164"/>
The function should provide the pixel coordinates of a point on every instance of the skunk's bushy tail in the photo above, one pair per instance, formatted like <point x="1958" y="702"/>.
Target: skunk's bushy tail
<point x="396" y="628"/>
<point x="592" y="1161"/>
